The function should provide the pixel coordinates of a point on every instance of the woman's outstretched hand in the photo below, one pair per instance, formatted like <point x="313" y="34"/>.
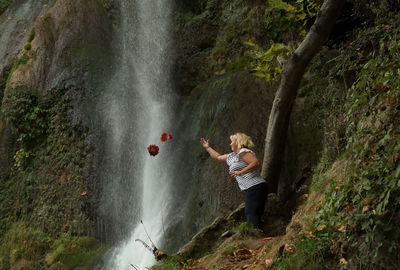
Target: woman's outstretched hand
<point x="204" y="143"/>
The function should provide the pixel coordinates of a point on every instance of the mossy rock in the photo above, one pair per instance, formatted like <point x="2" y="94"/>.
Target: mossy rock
<point x="75" y="251"/>
<point x="58" y="266"/>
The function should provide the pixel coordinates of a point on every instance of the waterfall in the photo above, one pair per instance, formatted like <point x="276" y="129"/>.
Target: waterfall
<point x="137" y="108"/>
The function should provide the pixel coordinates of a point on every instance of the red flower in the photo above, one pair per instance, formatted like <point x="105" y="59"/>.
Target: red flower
<point x="169" y="136"/>
<point x="164" y="136"/>
<point x="360" y="55"/>
<point x="153" y="149"/>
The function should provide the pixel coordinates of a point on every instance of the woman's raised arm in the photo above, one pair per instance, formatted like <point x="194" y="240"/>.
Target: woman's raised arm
<point x="214" y="154"/>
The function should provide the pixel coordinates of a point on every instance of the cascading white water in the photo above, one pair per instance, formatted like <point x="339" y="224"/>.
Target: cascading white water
<point x="144" y="74"/>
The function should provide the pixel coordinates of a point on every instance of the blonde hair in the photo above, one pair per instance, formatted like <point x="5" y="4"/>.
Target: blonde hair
<point x="242" y="140"/>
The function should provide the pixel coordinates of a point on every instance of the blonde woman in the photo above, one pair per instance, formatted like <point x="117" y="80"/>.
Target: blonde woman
<point x="242" y="164"/>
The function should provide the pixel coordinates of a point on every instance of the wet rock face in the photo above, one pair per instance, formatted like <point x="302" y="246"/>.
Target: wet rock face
<point x="15" y="26"/>
<point x="193" y="44"/>
<point x="65" y="36"/>
<point x="69" y="52"/>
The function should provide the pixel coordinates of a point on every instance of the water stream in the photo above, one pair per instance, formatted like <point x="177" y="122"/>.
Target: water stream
<point x="138" y="107"/>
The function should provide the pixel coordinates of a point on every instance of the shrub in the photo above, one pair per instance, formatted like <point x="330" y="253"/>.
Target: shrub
<point x="22" y="110"/>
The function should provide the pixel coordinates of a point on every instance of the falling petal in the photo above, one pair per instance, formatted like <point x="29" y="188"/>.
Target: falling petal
<point x="153" y="149"/>
<point x="164" y="136"/>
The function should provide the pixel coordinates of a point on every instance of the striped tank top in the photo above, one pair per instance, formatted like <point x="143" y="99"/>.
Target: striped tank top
<point x="236" y="163"/>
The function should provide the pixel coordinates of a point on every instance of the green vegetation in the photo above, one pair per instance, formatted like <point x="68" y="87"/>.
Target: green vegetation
<point x="42" y="189"/>
<point x="23" y="242"/>
<point x="22" y="110"/>
<point x="27" y="46"/>
<point x="75" y="251"/>
<point x="357" y="224"/>
<point x="310" y="254"/>
<point x="9" y="70"/>
<point x="244" y="230"/>
<point x="4" y="4"/>
<point x="172" y="262"/>
<point x="31" y="36"/>
<point x="266" y="64"/>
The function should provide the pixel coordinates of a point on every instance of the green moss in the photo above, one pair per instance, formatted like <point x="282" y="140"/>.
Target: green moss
<point x="23" y="242"/>
<point x="244" y="230"/>
<point x="241" y="64"/>
<point x="230" y="33"/>
<point x="23" y="60"/>
<point x="31" y="35"/>
<point x="75" y="251"/>
<point x="27" y="46"/>
<point x="221" y="83"/>
<point x="16" y="63"/>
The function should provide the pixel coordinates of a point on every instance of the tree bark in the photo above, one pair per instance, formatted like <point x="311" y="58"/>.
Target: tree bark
<point x="293" y="71"/>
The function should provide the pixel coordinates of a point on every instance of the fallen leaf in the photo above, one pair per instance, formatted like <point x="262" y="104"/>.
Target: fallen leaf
<point x="342" y="228"/>
<point x="303" y="197"/>
<point x="349" y="207"/>
<point x="366" y="201"/>
<point x="384" y="213"/>
<point x="365" y="209"/>
<point x="343" y="261"/>
<point x="289" y="248"/>
<point x="308" y="234"/>
<point x="321" y="227"/>
<point x="264" y="239"/>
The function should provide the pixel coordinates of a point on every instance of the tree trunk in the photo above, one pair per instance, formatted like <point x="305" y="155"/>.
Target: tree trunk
<point x="293" y="71"/>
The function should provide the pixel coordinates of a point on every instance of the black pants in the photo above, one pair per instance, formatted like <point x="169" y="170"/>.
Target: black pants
<point x="254" y="204"/>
